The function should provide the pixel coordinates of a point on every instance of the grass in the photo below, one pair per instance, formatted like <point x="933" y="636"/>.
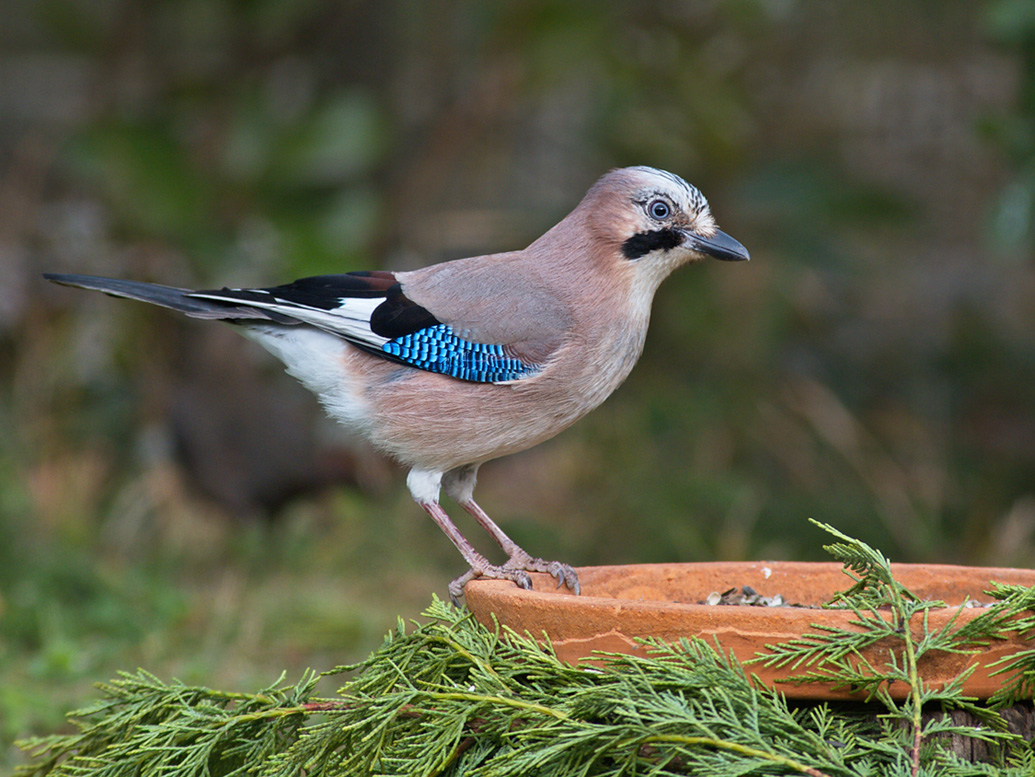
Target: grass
<point x="204" y="600"/>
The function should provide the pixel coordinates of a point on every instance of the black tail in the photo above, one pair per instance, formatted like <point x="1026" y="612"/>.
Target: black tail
<point x="166" y="296"/>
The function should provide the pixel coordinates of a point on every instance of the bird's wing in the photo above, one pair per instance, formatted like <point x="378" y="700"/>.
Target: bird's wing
<point x="340" y="304"/>
<point x="503" y="298"/>
<point x="368" y="309"/>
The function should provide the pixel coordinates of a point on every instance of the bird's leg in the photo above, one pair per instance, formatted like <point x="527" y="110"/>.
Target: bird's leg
<point x="459" y="484"/>
<point x="424" y="486"/>
<point x="480" y="566"/>
<point x="518" y="558"/>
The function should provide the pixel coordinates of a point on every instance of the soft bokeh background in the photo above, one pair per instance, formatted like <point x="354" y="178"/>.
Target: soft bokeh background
<point x="169" y="499"/>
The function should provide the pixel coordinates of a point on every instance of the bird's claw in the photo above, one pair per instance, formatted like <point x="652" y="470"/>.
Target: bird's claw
<point x="516" y="569"/>
<point x="564" y="574"/>
<point x="518" y="576"/>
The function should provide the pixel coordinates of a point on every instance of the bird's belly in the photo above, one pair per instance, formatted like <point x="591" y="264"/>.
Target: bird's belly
<point x="434" y="421"/>
<point x="437" y="422"/>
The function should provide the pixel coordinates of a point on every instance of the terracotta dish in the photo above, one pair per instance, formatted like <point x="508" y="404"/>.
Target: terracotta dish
<point x="621" y="603"/>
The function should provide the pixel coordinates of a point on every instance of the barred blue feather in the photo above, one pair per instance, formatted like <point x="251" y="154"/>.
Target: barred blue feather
<point x="438" y="349"/>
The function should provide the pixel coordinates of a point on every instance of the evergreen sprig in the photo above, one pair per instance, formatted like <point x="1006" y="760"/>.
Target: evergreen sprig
<point x="451" y="697"/>
<point x="1015" y="612"/>
<point x="145" y="726"/>
<point x="875" y="585"/>
<point x="886" y="613"/>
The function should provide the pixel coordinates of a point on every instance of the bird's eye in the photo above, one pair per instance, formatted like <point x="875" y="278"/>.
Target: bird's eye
<point x="658" y="210"/>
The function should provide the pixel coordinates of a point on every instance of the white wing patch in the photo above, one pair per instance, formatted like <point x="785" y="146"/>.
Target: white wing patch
<point x="351" y="319"/>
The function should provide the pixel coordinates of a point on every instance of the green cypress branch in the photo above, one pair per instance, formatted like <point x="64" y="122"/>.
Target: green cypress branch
<point x="451" y="697"/>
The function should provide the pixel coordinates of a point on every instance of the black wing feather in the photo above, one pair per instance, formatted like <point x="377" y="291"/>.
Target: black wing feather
<point x="398" y="315"/>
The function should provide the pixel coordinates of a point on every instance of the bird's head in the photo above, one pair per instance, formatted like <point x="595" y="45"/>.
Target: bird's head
<point x="654" y="218"/>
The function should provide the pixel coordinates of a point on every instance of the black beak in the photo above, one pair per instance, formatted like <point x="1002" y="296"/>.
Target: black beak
<point x="719" y="246"/>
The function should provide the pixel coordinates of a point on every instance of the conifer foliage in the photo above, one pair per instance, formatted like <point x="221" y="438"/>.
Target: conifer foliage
<point x="451" y="697"/>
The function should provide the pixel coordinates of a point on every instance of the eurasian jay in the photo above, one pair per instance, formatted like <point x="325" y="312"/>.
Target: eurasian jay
<point x="452" y="365"/>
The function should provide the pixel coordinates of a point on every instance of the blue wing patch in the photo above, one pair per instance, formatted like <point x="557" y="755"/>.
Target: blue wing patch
<point x="437" y="349"/>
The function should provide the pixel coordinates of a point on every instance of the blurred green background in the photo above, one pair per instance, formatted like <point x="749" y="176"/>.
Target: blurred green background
<point x="170" y="499"/>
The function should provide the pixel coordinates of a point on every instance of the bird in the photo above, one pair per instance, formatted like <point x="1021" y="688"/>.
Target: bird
<point x="457" y="363"/>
